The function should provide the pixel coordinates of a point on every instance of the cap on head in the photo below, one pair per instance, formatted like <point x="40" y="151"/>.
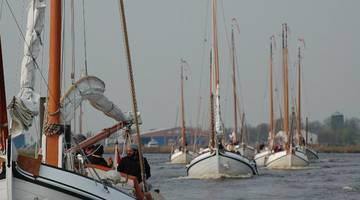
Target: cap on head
<point x="134" y="147"/>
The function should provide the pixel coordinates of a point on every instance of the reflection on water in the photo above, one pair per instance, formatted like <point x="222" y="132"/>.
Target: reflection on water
<point x="334" y="176"/>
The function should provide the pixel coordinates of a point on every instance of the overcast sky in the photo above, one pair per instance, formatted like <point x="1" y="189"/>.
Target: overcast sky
<point x="163" y="31"/>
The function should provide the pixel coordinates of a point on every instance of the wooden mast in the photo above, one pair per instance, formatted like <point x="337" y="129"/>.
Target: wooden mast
<point x="298" y="121"/>
<point x="52" y="140"/>
<point x="215" y="43"/>
<point x="132" y="90"/>
<point x="272" y="127"/>
<point x="212" y="120"/>
<point x="4" y="133"/>
<point x="183" y="134"/>
<point x="234" y="86"/>
<point x="285" y="85"/>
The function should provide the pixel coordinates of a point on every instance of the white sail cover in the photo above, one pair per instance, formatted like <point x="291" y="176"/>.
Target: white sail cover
<point x="24" y="107"/>
<point x="219" y="126"/>
<point x="92" y="89"/>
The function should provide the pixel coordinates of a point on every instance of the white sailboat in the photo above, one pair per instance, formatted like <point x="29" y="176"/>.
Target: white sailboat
<point x="311" y="154"/>
<point x="286" y="157"/>
<point x="215" y="161"/>
<point x="262" y="156"/>
<point x="238" y="145"/>
<point x="182" y="155"/>
<point x="50" y="176"/>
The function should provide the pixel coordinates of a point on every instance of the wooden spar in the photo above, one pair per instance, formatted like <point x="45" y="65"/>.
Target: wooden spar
<point x="4" y="132"/>
<point x="234" y="86"/>
<point x="298" y="121"/>
<point x="272" y="126"/>
<point x="215" y="44"/>
<point x="212" y="120"/>
<point x="285" y="86"/>
<point x="105" y="133"/>
<point x="132" y="89"/>
<point x="242" y="134"/>
<point x="183" y="135"/>
<point x="52" y="141"/>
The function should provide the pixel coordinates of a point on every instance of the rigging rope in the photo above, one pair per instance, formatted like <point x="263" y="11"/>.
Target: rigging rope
<point x="84" y="33"/>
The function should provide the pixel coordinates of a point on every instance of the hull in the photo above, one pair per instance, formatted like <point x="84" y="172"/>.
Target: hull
<point x="216" y="164"/>
<point x="246" y="151"/>
<point x="311" y="154"/>
<point x="55" y="183"/>
<point x="181" y="157"/>
<point x="283" y="160"/>
<point x="260" y="158"/>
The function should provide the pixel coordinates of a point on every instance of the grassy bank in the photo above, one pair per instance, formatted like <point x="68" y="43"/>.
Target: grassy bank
<point x="337" y="149"/>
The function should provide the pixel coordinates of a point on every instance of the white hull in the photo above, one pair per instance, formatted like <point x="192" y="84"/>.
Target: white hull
<point x="180" y="157"/>
<point x="246" y="151"/>
<point x="215" y="164"/>
<point x="260" y="158"/>
<point x="282" y="160"/>
<point x="55" y="183"/>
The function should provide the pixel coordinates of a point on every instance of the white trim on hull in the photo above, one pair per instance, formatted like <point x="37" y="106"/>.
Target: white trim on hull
<point x="215" y="164"/>
<point x="311" y="154"/>
<point x="181" y="158"/>
<point x="260" y="158"/>
<point x="55" y="183"/>
<point x="283" y="160"/>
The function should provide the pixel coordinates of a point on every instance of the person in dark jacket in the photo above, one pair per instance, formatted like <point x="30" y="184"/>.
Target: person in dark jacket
<point x="95" y="155"/>
<point x="130" y="164"/>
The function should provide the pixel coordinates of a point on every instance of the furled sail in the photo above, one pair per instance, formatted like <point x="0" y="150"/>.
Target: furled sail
<point x="24" y="107"/>
<point x="92" y="89"/>
<point x="219" y="126"/>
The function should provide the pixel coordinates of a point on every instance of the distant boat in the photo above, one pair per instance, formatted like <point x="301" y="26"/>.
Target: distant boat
<point x="152" y="143"/>
<point x="303" y="143"/>
<point x="265" y="151"/>
<point x="181" y="154"/>
<point x="216" y="161"/>
<point x="286" y="156"/>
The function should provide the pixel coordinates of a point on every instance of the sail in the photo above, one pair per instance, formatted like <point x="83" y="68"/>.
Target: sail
<point x="24" y="107"/>
<point x="92" y="89"/>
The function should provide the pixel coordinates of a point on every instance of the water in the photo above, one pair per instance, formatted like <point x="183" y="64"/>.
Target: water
<point x="334" y="176"/>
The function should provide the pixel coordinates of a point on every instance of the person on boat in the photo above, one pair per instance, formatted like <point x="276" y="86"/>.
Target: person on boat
<point x="130" y="164"/>
<point x="95" y="155"/>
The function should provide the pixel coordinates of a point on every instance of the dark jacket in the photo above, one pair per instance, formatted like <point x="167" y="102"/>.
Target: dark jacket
<point x="97" y="160"/>
<point x="131" y="166"/>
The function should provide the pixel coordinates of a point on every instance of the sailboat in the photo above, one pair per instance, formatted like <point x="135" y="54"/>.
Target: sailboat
<point x="286" y="156"/>
<point x="182" y="155"/>
<point x="311" y="154"/>
<point x="215" y="161"/>
<point x="50" y="176"/>
<point x="238" y="145"/>
<point x="262" y="155"/>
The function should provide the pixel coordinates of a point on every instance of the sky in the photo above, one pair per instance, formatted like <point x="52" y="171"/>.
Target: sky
<point x="161" y="32"/>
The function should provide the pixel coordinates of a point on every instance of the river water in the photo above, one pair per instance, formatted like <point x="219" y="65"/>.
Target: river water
<point x="333" y="177"/>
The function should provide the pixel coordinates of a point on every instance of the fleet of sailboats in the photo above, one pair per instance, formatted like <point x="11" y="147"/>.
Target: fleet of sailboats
<point x="53" y="174"/>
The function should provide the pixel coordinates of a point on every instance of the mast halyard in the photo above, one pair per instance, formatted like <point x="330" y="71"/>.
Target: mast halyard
<point x="234" y="135"/>
<point x="183" y="134"/>
<point x="53" y="139"/>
